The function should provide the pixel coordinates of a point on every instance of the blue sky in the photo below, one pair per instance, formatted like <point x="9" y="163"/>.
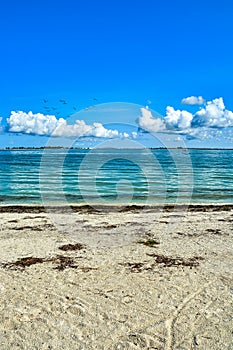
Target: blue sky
<point x="94" y="52"/>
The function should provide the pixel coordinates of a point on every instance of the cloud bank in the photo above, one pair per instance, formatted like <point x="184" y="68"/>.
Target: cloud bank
<point x="29" y="123"/>
<point x="193" y="100"/>
<point x="211" y="119"/>
<point x="213" y="116"/>
<point x="49" y="125"/>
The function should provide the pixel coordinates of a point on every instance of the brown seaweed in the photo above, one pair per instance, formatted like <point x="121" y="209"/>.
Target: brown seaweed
<point x="76" y="246"/>
<point x="149" y="243"/>
<point x="165" y="261"/>
<point x="177" y="261"/>
<point x="61" y="262"/>
<point x="24" y="262"/>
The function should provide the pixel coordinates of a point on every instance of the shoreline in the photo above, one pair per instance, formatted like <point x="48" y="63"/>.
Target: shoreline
<point x="39" y="208"/>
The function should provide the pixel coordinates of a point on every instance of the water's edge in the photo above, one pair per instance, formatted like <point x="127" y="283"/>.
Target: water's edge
<point x="31" y="208"/>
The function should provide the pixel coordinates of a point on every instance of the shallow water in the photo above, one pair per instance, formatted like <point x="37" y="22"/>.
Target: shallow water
<point x="116" y="176"/>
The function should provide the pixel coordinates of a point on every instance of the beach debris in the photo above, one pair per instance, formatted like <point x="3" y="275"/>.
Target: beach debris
<point x="132" y="207"/>
<point x="86" y="208"/>
<point x="195" y="340"/>
<point x="137" y="340"/>
<point x="109" y="227"/>
<point x="34" y="217"/>
<point x="24" y="262"/>
<point x="61" y="263"/>
<point x="178" y="261"/>
<point x="99" y="227"/>
<point x="76" y="246"/>
<point x="149" y="242"/>
<point x="226" y="219"/>
<point x="137" y="266"/>
<point x="34" y="228"/>
<point x="165" y="261"/>
<point x="215" y="231"/>
<point x="22" y="209"/>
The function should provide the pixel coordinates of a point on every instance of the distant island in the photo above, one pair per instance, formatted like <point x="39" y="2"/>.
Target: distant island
<point x="22" y="148"/>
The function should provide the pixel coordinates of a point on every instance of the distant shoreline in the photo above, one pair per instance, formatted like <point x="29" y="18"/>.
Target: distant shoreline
<point x="111" y="148"/>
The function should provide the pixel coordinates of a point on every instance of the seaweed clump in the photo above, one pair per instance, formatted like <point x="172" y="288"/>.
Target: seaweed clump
<point x="24" y="262"/>
<point x="61" y="262"/>
<point x="178" y="261"/>
<point x="165" y="261"/>
<point x="149" y="243"/>
<point x="76" y="246"/>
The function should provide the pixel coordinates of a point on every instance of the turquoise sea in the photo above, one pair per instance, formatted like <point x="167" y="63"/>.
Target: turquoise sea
<point x="116" y="176"/>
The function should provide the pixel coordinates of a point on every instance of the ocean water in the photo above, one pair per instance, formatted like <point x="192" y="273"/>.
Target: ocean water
<point x="116" y="176"/>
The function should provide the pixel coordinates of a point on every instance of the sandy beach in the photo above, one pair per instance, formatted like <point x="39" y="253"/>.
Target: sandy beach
<point x="138" y="278"/>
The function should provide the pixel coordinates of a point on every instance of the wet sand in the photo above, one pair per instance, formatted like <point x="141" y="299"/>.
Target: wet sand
<point x="118" y="278"/>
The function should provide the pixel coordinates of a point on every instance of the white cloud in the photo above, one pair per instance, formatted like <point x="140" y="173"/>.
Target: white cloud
<point x="193" y="100"/>
<point x="147" y="122"/>
<point x="40" y="124"/>
<point x="29" y="123"/>
<point x="205" y="123"/>
<point x="177" y="119"/>
<point x="80" y="129"/>
<point x="214" y="114"/>
<point x="124" y="135"/>
<point x="174" y="119"/>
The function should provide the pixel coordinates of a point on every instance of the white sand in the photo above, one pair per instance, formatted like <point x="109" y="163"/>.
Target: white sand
<point x="112" y="305"/>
